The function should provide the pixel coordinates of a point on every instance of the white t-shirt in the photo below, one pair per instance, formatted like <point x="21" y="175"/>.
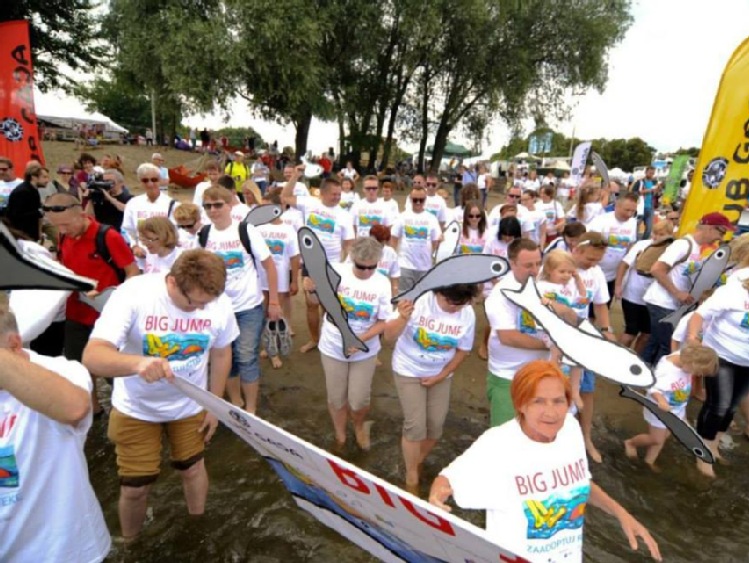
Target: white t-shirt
<point x="597" y="292"/>
<point x="474" y="243"/>
<point x="48" y="509"/>
<point x="553" y="211"/>
<point x="365" y="301"/>
<point x="435" y="205"/>
<point x="675" y="385"/>
<point x="140" y="208"/>
<point x="535" y="503"/>
<point x="619" y="234"/>
<point x="566" y="294"/>
<point x="348" y="199"/>
<point x="682" y="275"/>
<point x="531" y="224"/>
<point x="727" y="312"/>
<point x="294" y="218"/>
<point x="392" y="206"/>
<point x="200" y="189"/>
<point x="492" y="222"/>
<point x="634" y="285"/>
<point x="300" y="188"/>
<point x="738" y="276"/>
<point x="140" y="319"/>
<point x="6" y="188"/>
<point x="332" y="225"/>
<point x="367" y="214"/>
<point x="415" y="233"/>
<point x="239" y="212"/>
<point x="283" y="246"/>
<point x="388" y="265"/>
<point x="155" y="263"/>
<point x="557" y="244"/>
<point x="431" y="338"/>
<point x="592" y="210"/>
<point x="534" y="185"/>
<point x="259" y="171"/>
<point x="242" y="272"/>
<point x="680" y="332"/>
<point x="502" y="314"/>
<point x="187" y="240"/>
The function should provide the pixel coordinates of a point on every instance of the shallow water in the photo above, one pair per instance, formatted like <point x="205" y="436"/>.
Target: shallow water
<point x="251" y="517"/>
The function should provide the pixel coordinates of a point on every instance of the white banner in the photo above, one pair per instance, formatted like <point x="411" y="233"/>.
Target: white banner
<point x="382" y="519"/>
<point x="579" y="158"/>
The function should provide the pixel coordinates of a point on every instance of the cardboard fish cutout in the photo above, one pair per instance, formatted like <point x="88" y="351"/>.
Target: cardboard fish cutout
<point x="326" y="281"/>
<point x="263" y="214"/>
<point x="464" y="268"/>
<point x="601" y="167"/>
<point x="450" y="240"/>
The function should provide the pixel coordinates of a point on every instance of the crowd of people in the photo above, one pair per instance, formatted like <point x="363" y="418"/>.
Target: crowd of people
<point x="195" y="291"/>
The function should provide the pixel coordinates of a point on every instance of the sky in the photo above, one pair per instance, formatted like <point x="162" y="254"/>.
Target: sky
<point x="663" y="77"/>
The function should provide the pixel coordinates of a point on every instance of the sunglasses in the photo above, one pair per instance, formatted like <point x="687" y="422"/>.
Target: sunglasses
<point x="58" y="208"/>
<point x="186" y="227"/>
<point x="4" y="169"/>
<point x="152" y="180"/>
<point x="371" y="188"/>
<point x="431" y="183"/>
<point x="217" y="205"/>
<point x="418" y="199"/>
<point x="514" y="196"/>
<point x="472" y="216"/>
<point x="363" y="267"/>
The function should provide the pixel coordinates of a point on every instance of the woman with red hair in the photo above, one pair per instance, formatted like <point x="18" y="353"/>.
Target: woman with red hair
<point x="536" y="500"/>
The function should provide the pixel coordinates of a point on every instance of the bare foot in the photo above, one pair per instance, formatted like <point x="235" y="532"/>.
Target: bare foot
<point x="276" y="362"/>
<point x="706" y="469"/>
<point x="483" y="353"/>
<point x="237" y="403"/>
<point x="629" y="450"/>
<point x="311" y="345"/>
<point x="378" y="363"/>
<point x="292" y="333"/>
<point x="263" y="354"/>
<point x="593" y="453"/>
<point x="363" y="435"/>
<point x="413" y="488"/>
<point x="653" y="467"/>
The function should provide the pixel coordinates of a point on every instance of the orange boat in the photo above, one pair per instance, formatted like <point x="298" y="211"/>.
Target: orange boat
<point x="181" y="177"/>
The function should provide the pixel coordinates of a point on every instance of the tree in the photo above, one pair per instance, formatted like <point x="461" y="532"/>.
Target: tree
<point x="64" y="36"/>
<point x="130" y="109"/>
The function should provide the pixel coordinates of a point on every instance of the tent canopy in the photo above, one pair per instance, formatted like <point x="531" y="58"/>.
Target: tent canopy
<point x="525" y="156"/>
<point x="74" y="118"/>
<point x="451" y="149"/>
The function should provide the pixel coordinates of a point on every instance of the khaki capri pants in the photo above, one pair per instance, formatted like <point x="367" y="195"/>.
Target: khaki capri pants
<point x="424" y="408"/>
<point x="348" y="383"/>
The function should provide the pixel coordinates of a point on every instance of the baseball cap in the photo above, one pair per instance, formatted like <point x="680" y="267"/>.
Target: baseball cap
<point x="716" y="219"/>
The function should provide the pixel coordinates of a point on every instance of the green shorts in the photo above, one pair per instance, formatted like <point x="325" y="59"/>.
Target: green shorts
<point x="500" y="401"/>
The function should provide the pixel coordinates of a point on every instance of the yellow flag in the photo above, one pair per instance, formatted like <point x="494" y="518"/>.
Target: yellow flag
<point x="721" y="176"/>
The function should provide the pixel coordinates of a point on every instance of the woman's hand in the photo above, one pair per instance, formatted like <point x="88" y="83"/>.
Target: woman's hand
<point x="633" y="529"/>
<point x="308" y="284"/>
<point x="405" y="309"/>
<point x="430" y="381"/>
<point x="440" y="492"/>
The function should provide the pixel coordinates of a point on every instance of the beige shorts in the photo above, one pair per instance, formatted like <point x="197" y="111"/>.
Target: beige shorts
<point x="138" y="446"/>
<point x="424" y="408"/>
<point x="348" y="383"/>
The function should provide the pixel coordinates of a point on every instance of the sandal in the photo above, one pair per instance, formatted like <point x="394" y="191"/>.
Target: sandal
<point x="284" y="337"/>
<point x="272" y="330"/>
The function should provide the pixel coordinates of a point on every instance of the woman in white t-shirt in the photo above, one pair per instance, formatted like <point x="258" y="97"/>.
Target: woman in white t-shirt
<point x="553" y="212"/>
<point x="348" y="172"/>
<point x="434" y="335"/>
<point x="188" y="217"/>
<point x="388" y="265"/>
<point x="532" y="219"/>
<point x="727" y="312"/>
<point x="473" y="233"/>
<point x="589" y="204"/>
<point x="348" y="194"/>
<point x="531" y="475"/>
<point x="365" y="295"/>
<point x="468" y="193"/>
<point x="159" y="236"/>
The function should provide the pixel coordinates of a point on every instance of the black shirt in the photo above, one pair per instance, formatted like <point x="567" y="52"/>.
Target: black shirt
<point x="24" y="210"/>
<point x="107" y="213"/>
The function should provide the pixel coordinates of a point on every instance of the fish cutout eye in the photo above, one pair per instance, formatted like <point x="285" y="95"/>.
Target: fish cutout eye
<point x="720" y="253"/>
<point x="276" y="211"/>
<point x="698" y="452"/>
<point x="634" y="369"/>
<point x="307" y="241"/>
<point x="497" y="267"/>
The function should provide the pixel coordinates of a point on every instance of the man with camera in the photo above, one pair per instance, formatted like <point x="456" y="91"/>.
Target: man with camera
<point x="107" y="198"/>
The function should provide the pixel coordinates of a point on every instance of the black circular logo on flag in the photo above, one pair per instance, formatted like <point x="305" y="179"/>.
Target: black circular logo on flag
<point x="714" y="172"/>
<point x="11" y="129"/>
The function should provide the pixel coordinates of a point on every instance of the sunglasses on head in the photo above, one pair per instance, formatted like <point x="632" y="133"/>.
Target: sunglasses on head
<point x="216" y="205"/>
<point x="418" y="199"/>
<point x="58" y="208"/>
<point x="363" y="267"/>
<point x="188" y="226"/>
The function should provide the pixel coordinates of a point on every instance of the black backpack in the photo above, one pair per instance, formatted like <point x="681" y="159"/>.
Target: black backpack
<point x="102" y="250"/>
<point x="244" y="238"/>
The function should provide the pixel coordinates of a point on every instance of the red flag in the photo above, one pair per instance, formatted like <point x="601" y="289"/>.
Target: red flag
<point x="19" y="130"/>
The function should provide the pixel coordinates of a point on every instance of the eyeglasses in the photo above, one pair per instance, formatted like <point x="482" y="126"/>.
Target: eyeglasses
<point x="418" y="200"/>
<point x="721" y="230"/>
<point x="186" y="227"/>
<point x="58" y="208"/>
<point x="514" y="196"/>
<point x="472" y="216"/>
<point x="371" y="188"/>
<point x="151" y="240"/>
<point x="431" y="183"/>
<point x="152" y="180"/>
<point x="363" y="267"/>
<point x="4" y="169"/>
<point x="216" y="205"/>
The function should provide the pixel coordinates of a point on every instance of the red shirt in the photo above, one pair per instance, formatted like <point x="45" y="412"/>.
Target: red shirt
<point x="326" y="164"/>
<point x="79" y="254"/>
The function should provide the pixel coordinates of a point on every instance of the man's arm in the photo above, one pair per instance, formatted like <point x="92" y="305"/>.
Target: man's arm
<point x="220" y="365"/>
<point x="42" y="390"/>
<point x="287" y="194"/>
<point x="274" y="305"/>
<point x="660" y="271"/>
<point x="517" y="339"/>
<point x="103" y="359"/>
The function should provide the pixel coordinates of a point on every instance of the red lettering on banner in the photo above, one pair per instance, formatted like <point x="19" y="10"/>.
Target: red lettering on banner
<point x="349" y="478"/>
<point x="431" y="520"/>
<point x="384" y="495"/>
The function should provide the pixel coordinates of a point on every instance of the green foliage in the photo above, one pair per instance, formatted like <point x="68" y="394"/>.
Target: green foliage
<point x="130" y="109"/>
<point x="237" y="135"/>
<point x="64" y="36"/>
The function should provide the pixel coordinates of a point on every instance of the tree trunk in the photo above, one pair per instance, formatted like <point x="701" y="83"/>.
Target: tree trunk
<point x="440" y="140"/>
<point x="424" y="124"/>
<point x="303" y="122"/>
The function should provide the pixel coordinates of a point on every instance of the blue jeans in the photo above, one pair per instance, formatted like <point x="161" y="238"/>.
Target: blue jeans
<point x="245" y="350"/>
<point x="647" y="218"/>
<point x="659" y="344"/>
<point x="262" y="186"/>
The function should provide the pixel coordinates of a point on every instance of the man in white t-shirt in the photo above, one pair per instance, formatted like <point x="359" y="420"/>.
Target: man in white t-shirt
<point x="158" y="161"/>
<point x="152" y="203"/>
<point x="260" y="175"/>
<point x="155" y="328"/>
<point x="532" y="219"/>
<point x="300" y="188"/>
<point x="674" y="273"/>
<point x="48" y="509"/>
<point x="335" y="229"/>
<point x="619" y="229"/>
<point x="244" y="254"/>
<point x="212" y="172"/>
<point x="416" y="234"/>
<point x="8" y="181"/>
<point x="513" y="196"/>
<point x="371" y="210"/>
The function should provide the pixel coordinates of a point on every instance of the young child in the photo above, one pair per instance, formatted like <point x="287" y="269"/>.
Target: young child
<point x="561" y="282"/>
<point x="673" y="382"/>
<point x="159" y="236"/>
<point x="348" y="194"/>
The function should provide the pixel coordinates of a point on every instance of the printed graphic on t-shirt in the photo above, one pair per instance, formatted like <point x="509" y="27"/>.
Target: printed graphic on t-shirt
<point x="9" y="477"/>
<point x="618" y="241"/>
<point x="232" y="259"/>
<point x="565" y="511"/>
<point x="357" y="310"/>
<point x="564" y="300"/>
<point x="275" y="246"/>
<point x="417" y="233"/>
<point x="466" y="248"/>
<point x="369" y="220"/>
<point x="690" y="267"/>
<point x="175" y="347"/>
<point x="745" y="321"/>
<point x="432" y="342"/>
<point x="678" y="396"/>
<point x="322" y="224"/>
<point x="526" y="324"/>
<point x="434" y="211"/>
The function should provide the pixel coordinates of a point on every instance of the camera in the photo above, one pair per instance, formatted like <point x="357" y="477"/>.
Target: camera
<point x="99" y="183"/>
